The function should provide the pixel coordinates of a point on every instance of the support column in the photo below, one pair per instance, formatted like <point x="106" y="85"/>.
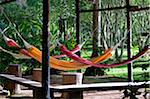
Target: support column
<point x="78" y="25"/>
<point x="78" y="22"/>
<point x="45" y="51"/>
<point x="129" y="41"/>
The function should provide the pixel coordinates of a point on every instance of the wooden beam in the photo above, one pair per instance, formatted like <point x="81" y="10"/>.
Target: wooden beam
<point x="104" y="9"/>
<point x="131" y="8"/>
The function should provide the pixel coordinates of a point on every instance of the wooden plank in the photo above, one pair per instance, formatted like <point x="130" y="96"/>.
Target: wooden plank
<point x="102" y="86"/>
<point x="22" y="81"/>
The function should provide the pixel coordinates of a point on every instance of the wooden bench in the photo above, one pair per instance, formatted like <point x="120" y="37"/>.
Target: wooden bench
<point x="67" y="78"/>
<point x="13" y="69"/>
<point x="36" y="86"/>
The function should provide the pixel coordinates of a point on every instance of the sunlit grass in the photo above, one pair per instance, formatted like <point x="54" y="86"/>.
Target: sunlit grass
<point x="122" y="71"/>
<point x="138" y="73"/>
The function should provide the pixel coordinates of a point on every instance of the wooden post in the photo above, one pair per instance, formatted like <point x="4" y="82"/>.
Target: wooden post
<point x="72" y="78"/>
<point x="37" y="74"/>
<point x="37" y="93"/>
<point x="13" y="69"/>
<point x="129" y="41"/>
<point x="45" y="51"/>
<point x="77" y="4"/>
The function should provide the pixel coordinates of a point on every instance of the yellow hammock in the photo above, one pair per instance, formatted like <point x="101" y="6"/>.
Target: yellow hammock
<point x="64" y="65"/>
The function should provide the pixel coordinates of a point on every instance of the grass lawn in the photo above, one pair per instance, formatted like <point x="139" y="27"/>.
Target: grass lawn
<point x="119" y="75"/>
<point x="138" y="73"/>
<point x="122" y="72"/>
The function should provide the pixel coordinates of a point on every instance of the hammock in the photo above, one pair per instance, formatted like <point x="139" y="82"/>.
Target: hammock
<point x="35" y="51"/>
<point x="76" y="49"/>
<point x="37" y="55"/>
<point x="34" y="54"/>
<point x="82" y="60"/>
<point x="77" y="58"/>
<point x="72" y="65"/>
<point x="60" y="64"/>
<point x="76" y="65"/>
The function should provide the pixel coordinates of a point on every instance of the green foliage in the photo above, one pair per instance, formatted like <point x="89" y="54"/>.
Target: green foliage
<point x="28" y="21"/>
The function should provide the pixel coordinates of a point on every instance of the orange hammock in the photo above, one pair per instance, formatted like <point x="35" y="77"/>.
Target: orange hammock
<point x="55" y="63"/>
<point x="76" y="65"/>
<point x="64" y="65"/>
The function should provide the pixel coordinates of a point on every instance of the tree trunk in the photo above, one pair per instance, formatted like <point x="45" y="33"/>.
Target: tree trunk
<point x="92" y="71"/>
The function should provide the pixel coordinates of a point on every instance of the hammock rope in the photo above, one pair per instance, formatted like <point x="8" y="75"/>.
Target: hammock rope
<point x="17" y="56"/>
<point x="73" y="51"/>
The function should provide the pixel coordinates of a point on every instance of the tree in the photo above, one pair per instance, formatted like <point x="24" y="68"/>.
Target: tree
<point x="93" y="70"/>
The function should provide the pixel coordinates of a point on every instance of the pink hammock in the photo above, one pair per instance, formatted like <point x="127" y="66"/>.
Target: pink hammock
<point x="76" y="49"/>
<point x="81" y="60"/>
